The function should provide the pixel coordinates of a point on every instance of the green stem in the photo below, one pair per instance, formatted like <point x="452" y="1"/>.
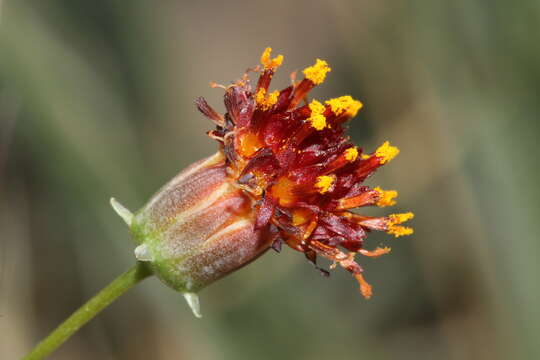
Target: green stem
<point x="86" y="312"/>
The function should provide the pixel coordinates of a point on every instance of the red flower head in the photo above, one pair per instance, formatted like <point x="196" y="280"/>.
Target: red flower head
<point x="291" y="157"/>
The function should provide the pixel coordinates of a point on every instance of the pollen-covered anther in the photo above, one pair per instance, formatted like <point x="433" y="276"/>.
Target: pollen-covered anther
<point x="317" y="72"/>
<point x="386" y="152"/>
<point x="365" y="156"/>
<point x="344" y="104"/>
<point x="324" y="183"/>
<point x="398" y="231"/>
<point x="268" y="62"/>
<point x="317" y="119"/>
<point x="395" y="219"/>
<point x="393" y="224"/>
<point x="386" y="197"/>
<point x="266" y="101"/>
<point x="351" y="154"/>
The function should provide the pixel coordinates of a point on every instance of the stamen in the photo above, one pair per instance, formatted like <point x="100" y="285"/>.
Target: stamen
<point x="268" y="62"/>
<point x="317" y="73"/>
<point x="351" y="154"/>
<point x="393" y="224"/>
<point x="386" y="197"/>
<point x="344" y="104"/>
<point x="386" y="152"/>
<point x="400" y="218"/>
<point x="265" y="101"/>
<point x="398" y="231"/>
<point x="324" y="182"/>
<point x="317" y="119"/>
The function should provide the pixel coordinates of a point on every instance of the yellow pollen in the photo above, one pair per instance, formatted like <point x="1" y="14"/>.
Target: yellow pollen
<point x="393" y="224"/>
<point x="317" y="119"/>
<point x="260" y="96"/>
<point x="317" y="73"/>
<point x="395" y="219"/>
<point x="365" y="156"/>
<point x="351" y="154"/>
<point x="398" y="231"/>
<point x="386" y="152"/>
<point x="345" y="104"/>
<point x="316" y="107"/>
<point x="324" y="182"/>
<point x="386" y="197"/>
<point x="264" y="101"/>
<point x="268" y="62"/>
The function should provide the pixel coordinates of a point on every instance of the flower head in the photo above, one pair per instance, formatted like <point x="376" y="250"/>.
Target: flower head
<point x="292" y="159"/>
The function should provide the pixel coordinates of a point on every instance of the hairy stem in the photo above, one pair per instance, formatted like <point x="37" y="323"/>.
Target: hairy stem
<point x="86" y="312"/>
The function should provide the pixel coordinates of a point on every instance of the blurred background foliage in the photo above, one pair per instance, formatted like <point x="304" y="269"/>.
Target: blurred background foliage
<point x="96" y="101"/>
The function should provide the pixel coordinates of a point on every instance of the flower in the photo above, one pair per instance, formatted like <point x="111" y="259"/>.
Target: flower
<point x="292" y="159"/>
<point x="284" y="173"/>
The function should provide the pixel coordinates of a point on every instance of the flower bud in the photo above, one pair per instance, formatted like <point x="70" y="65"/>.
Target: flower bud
<point x="197" y="228"/>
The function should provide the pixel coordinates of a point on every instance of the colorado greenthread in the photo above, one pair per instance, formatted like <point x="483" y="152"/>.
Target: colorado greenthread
<point x="285" y="173"/>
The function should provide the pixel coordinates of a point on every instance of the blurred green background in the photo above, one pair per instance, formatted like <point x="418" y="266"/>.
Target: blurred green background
<point x="96" y="100"/>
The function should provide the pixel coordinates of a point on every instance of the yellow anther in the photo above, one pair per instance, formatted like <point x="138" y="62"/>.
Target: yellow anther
<point x="345" y="104"/>
<point x="264" y="101"/>
<point x="351" y="154"/>
<point x="386" y="197"/>
<point x="365" y="156"/>
<point x="268" y="62"/>
<point x="317" y="119"/>
<point x="386" y="152"/>
<point x="273" y="97"/>
<point x="317" y="73"/>
<point x="316" y="107"/>
<point x="398" y="231"/>
<point x="393" y="224"/>
<point x="324" y="182"/>
<point x="260" y="96"/>
<point x="395" y="219"/>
